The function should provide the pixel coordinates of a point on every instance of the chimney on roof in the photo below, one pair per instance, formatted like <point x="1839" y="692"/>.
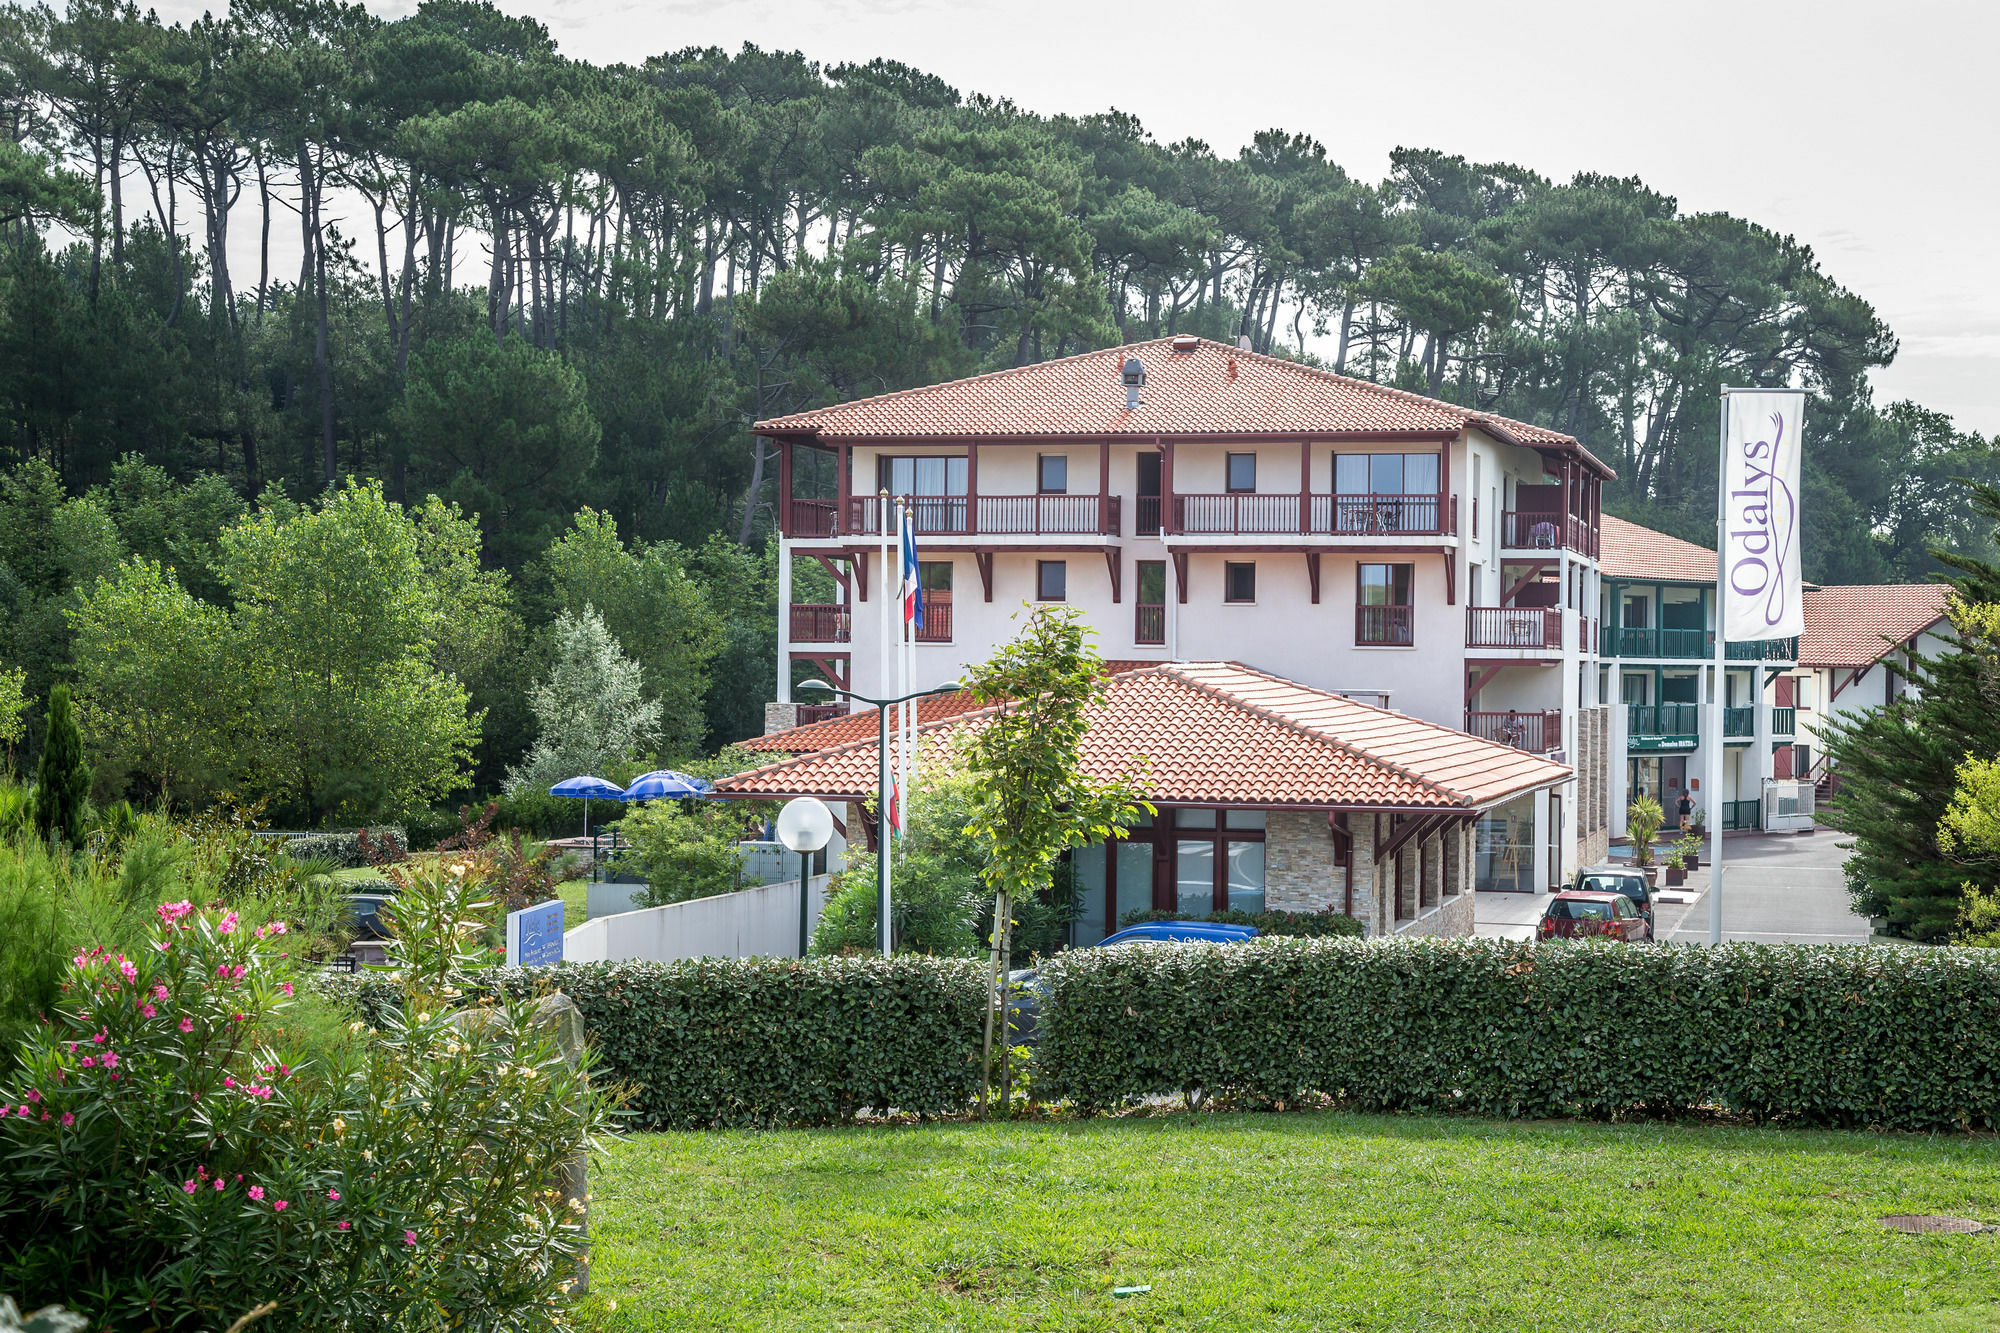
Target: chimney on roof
<point x="1185" y="342"/>
<point x="1135" y="380"/>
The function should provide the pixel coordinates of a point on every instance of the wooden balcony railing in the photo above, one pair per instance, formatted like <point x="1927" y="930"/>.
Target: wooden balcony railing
<point x="995" y="515"/>
<point x="1627" y="641"/>
<point x="809" y="713"/>
<point x="937" y="619"/>
<point x="1242" y="514"/>
<point x="821" y="623"/>
<point x="1148" y="515"/>
<point x="1537" y="531"/>
<point x="1537" y="733"/>
<point x="1739" y="722"/>
<point x="1514" y="627"/>
<point x="1784" y="722"/>
<point x="1389" y="625"/>
<point x="1149" y="624"/>
<point x="1648" y="726"/>
<point x="1383" y="515"/>
<point x="812" y="518"/>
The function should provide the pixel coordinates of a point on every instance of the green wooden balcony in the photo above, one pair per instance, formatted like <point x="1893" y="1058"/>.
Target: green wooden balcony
<point x="1661" y="726"/>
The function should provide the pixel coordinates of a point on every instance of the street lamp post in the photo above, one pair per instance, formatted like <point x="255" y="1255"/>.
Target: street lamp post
<point x="882" y="707"/>
<point x="804" y="826"/>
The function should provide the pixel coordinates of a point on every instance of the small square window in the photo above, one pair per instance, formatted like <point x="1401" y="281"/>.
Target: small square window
<point x="1242" y="472"/>
<point x="1053" y="474"/>
<point x="1052" y="580"/>
<point x="1239" y="581"/>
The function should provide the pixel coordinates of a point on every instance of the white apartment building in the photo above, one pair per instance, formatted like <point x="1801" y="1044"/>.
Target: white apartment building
<point x="1233" y="507"/>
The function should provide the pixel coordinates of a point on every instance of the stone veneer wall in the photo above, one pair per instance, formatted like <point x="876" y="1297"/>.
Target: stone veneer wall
<point x="780" y="717"/>
<point x="1300" y="874"/>
<point x="1593" y="785"/>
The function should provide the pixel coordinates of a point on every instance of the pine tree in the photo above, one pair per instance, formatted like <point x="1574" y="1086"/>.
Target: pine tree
<point x="62" y="782"/>
<point x="1898" y="767"/>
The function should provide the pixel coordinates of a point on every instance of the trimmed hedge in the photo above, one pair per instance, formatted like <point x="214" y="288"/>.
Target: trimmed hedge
<point x="1309" y="925"/>
<point x="758" y="1041"/>
<point x="1901" y="1038"/>
<point x="343" y="846"/>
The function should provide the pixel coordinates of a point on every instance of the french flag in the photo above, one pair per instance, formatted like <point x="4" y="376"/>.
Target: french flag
<point x="913" y="600"/>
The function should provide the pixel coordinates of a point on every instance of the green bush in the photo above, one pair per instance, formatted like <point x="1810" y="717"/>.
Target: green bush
<point x="540" y="815"/>
<point x="685" y="854"/>
<point x="1310" y="925"/>
<point x="342" y="847"/>
<point x="168" y="1169"/>
<point x="761" y="1041"/>
<point x="933" y="908"/>
<point x="1904" y="1039"/>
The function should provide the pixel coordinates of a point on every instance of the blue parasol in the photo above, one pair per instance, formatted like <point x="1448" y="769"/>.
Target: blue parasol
<point x="664" y="784"/>
<point x="587" y="787"/>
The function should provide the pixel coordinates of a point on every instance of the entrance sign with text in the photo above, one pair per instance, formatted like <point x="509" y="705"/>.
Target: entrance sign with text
<point x="1760" y="515"/>
<point x="535" y="935"/>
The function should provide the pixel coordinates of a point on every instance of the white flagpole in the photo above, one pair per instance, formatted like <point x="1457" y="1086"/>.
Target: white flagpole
<point x="1714" y="739"/>
<point x="902" y="668"/>
<point x="892" y="571"/>
<point x="909" y="677"/>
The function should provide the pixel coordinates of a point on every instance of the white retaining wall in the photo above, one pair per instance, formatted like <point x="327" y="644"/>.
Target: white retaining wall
<point x="748" y="923"/>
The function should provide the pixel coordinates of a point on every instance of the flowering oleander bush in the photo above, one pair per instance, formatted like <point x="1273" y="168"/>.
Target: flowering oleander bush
<point x="168" y="1169"/>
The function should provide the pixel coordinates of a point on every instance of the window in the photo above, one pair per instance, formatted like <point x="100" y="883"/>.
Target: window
<point x="1476" y="460"/>
<point x="1218" y="863"/>
<point x="1382" y="604"/>
<point x="1242" y="472"/>
<point x="1052" y="474"/>
<point x="934" y="577"/>
<point x="1385" y="474"/>
<point x="1051" y="580"/>
<point x="1239" y="581"/>
<point x="921" y="476"/>
<point x="1150" y="612"/>
<point x="1805" y="689"/>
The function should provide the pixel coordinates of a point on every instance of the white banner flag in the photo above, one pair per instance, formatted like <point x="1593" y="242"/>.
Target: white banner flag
<point x="1760" y="514"/>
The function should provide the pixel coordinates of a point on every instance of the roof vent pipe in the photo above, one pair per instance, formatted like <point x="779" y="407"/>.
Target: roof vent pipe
<point x="1135" y="379"/>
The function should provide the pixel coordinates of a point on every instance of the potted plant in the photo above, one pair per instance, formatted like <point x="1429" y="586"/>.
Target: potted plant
<point x="1676" y="866"/>
<point x="1643" y="819"/>
<point x="1697" y="832"/>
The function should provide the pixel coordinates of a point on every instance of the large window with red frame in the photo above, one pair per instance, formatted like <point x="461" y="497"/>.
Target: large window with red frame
<point x="1188" y="861"/>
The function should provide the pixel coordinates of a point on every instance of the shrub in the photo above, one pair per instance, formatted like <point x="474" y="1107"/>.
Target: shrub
<point x="934" y="907"/>
<point x="761" y="1041"/>
<point x="167" y="1169"/>
<point x="62" y="780"/>
<point x="343" y="847"/>
<point x="686" y="854"/>
<point x="1310" y="925"/>
<point x="1905" y="1039"/>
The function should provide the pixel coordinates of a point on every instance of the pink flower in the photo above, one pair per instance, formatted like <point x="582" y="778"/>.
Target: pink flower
<point x="219" y="1186"/>
<point x="160" y="992"/>
<point x="187" y="1025"/>
<point x="127" y="970"/>
<point x="286" y="987"/>
<point x="201" y="1173"/>
<point x="88" y="1061"/>
<point x="344" y="1226"/>
<point x="99" y="1038"/>
<point x="81" y="959"/>
<point x="237" y="971"/>
<point x="24" y="1112"/>
<point x="34" y="1094"/>
<point x="333" y="1195"/>
<point x="222" y="970"/>
<point x="68" y="1119"/>
<point x="256" y="1191"/>
<point x="148" y="1011"/>
<point x="237" y="1018"/>
<point x="111" y="1059"/>
<point x="229" y="1082"/>
<point x="187" y="1187"/>
<point x="409" y="1238"/>
<point x="228" y="926"/>
<point x="279" y="1205"/>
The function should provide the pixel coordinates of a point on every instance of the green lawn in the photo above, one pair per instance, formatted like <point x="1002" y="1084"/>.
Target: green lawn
<point x="1306" y="1222"/>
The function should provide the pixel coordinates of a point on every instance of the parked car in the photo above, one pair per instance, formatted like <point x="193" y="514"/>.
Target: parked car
<point x="1024" y="984"/>
<point x="1634" y="883"/>
<point x="1572" y="915"/>
<point x="367" y="911"/>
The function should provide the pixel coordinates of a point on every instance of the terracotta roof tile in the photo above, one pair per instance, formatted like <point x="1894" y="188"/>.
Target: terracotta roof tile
<point x="1628" y="551"/>
<point x="1213" y="389"/>
<point x="1846" y="624"/>
<point x="1216" y="733"/>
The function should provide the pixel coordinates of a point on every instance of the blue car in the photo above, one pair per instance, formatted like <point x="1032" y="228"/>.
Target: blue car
<point x="1024" y="990"/>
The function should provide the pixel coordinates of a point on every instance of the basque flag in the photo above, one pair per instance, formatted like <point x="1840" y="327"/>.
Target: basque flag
<point x="913" y="600"/>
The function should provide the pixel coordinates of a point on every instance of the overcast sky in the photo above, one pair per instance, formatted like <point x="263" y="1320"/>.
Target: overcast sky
<point x="1869" y="131"/>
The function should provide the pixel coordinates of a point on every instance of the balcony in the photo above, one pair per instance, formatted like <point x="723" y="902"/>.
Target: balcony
<point x="1239" y="514"/>
<point x="810" y="713"/>
<point x="1532" y="530"/>
<point x="1149" y="624"/>
<point x="1662" y="726"/>
<point x="1784" y="722"/>
<point x="994" y="516"/>
<point x="821" y="623"/>
<point x="1513" y="627"/>
<point x="1677" y="644"/>
<point x="812" y="518"/>
<point x="1382" y="626"/>
<point x="937" y="618"/>
<point x="1762" y="650"/>
<point x="1537" y="733"/>
<point x="1739" y="723"/>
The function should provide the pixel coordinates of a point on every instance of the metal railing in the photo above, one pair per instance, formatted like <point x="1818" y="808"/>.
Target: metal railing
<point x="1537" y="733"/>
<point x="1389" y="625"/>
<point x="1513" y="627"/>
<point x="1149" y="623"/>
<point x="821" y="622"/>
<point x="1657" y="722"/>
<point x="1742" y="814"/>
<point x="1541" y="531"/>
<point x="1739" y="722"/>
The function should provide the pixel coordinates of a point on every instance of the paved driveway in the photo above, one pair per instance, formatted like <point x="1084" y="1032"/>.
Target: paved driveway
<point x="1777" y="888"/>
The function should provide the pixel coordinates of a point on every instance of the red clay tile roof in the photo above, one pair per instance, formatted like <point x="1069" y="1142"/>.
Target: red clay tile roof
<point x="1213" y="389"/>
<point x="1628" y="551"/>
<point x="862" y="726"/>
<point x="1216" y="733"/>
<point x="1845" y="624"/>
